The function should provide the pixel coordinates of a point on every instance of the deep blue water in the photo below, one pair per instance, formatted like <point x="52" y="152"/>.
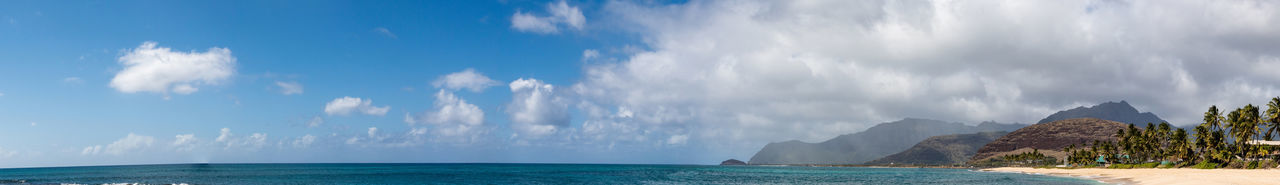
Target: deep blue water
<point x="508" y="174"/>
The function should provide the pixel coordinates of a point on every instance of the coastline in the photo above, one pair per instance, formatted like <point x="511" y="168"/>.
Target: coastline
<point x="1156" y="176"/>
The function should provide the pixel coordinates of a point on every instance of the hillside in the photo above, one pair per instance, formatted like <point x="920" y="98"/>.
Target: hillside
<point x="1114" y="111"/>
<point x="873" y="143"/>
<point x="942" y="150"/>
<point x="1050" y="137"/>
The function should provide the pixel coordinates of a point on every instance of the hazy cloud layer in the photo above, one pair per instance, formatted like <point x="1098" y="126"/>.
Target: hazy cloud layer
<point x="131" y="143"/>
<point x="289" y="88"/>
<point x="740" y="73"/>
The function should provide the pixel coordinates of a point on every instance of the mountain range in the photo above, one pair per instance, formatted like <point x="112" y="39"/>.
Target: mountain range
<point x="1115" y="111"/>
<point x="1049" y="138"/>
<point x="913" y="141"/>
<point x="875" y="142"/>
<point x="941" y="150"/>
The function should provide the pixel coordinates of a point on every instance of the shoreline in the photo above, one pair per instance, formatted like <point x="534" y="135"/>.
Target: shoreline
<point x="1099" y="178"/>
<point x="1154" y="175"/>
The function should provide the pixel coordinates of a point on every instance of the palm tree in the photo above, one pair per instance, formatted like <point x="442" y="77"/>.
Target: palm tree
<point x="1150" y="143"/>
<point x="1164" y="141"/>
<point x="1244" y="123"/>
<point x="1272" y="118"/>
<point x="1202" y="138"/>
<point x="1179" y="143"/>
<point x="1213" y="118"/>
<point x="1217" y="145"/>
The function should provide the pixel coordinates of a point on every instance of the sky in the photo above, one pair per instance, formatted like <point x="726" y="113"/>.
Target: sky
<point x="653" y="82"/>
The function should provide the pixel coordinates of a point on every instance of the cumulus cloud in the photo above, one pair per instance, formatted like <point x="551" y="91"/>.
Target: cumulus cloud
<point x="535" y="109"/>
<point x="253" y="141"/>
<point x="289" y="88"/>
<point x="590" y="54"/>
<point x="149" y="68"/>
<point x="304" y="141"/>
<point x="184" y="142"/>
<point x="765" y="71"/>
<point x="562" y="15"/>
<point x="128" y="144"/>
<point x="450" y="109"/>
<point x="347" y="105"/>
<point x="466" y="79"/>
<point x="454" y="120"/>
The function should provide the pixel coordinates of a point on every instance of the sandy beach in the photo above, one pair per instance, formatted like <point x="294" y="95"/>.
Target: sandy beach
<point x="1160" y="176"/>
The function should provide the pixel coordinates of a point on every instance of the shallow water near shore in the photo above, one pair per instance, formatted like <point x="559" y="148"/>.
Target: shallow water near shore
<point x="510" y="174"/>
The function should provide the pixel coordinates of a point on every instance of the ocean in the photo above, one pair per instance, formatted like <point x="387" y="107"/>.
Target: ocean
<point x="509" y="174"/>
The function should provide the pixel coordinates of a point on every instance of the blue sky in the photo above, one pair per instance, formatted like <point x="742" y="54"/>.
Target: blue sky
<point x="696" y="82"/>
<point x="62" y="57"/>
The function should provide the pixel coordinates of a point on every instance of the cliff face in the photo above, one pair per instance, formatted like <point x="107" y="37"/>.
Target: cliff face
<point x="876" y="142"/>
<point x="1114" y="111"/>
<point x="1051" y="137"/>
<point x="942" y="150"/>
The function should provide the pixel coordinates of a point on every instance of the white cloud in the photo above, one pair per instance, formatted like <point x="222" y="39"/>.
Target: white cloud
<point x="590" y="54"/>
<point x="256" y="140"/>
<point x="289" y="88"/>
<point x="744" y="73"/>
<point x="304" y="141"/>
<point x="466" y="79"/>
<point x="535" y="109"/>
<point x="315" y="121"/>
<point x="253" y="141"/>
<point x="185" y="142"/>
<point x="149" y="68"/>
<point x="72" y="80"/>
<point x="561" y="15"/>
<point x="455" y="120"/>
<point x="224" y="135"/>
<point x="128" y="144"/>
<point x="385" y="32"/>
<point x="347" y="105"/>
<point x="414" y="137"/>
<point x="450" y="109"/>
<point x="91" y="150"/>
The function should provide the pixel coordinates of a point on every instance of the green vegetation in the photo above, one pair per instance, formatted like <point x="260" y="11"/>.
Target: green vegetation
<point x="1033" y="158"/>
<point x="1220" y="141"/>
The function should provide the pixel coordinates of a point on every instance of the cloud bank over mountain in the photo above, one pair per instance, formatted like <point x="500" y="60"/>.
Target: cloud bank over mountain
<point x="728" y="72"/>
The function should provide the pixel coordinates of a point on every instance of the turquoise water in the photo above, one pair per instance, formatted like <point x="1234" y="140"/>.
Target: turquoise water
<point x="507" y="174"/>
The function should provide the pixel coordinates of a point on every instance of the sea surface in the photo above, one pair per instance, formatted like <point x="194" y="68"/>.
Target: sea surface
<point x="508" y="174"/>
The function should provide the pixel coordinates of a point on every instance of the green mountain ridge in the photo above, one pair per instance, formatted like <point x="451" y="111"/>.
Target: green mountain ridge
<point x="941" y="150"/>
<point x="875" y="142"/>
